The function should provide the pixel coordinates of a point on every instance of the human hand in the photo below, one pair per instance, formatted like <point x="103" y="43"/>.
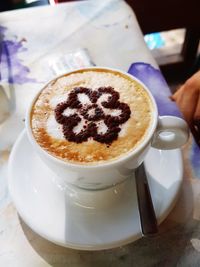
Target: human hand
<point x="188" y="100"/>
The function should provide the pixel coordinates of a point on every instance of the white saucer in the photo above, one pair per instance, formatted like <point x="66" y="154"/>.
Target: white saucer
<point x="82" y="219"/>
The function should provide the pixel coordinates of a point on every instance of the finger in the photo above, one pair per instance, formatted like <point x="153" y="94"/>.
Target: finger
<point x="177" y="93"/>
<point x="193" y="83"/>
<point x="197" y="110"/>
<point x="187" y="102"/>
<point x="196" y="117"/>
<point x="195" y="79"/>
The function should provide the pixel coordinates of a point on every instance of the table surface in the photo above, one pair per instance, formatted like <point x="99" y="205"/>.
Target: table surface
<point x="109" y="31"/>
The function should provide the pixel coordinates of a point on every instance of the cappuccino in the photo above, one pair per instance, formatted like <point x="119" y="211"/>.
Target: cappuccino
<point x="91" y="116"/>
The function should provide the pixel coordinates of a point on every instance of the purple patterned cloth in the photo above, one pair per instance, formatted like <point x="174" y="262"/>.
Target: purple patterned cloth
<point x="12" y="69"/>
<point x="156" y="83"/>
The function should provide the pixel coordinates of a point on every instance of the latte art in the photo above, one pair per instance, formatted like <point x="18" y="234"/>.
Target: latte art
<point x="87" y="115"/>
<point x="91" y="116"/>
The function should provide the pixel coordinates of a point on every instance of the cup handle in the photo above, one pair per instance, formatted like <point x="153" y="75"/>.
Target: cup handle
<point x="171" y="133"/>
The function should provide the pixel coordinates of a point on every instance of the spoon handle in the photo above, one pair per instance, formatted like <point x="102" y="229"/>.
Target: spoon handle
<point x="146" y="210"/>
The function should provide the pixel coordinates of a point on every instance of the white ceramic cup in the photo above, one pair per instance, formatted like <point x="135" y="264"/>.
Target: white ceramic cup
<point x="165" y="132"/>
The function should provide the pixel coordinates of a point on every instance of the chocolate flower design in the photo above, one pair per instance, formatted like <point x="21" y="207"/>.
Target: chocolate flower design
<point x="92" y="113"/>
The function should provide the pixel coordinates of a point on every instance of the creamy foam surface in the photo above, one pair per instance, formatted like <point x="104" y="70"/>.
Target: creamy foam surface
<point x="49" y="133"/>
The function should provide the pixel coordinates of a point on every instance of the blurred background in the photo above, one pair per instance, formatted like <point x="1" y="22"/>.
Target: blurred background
<point x="171" y="31"/>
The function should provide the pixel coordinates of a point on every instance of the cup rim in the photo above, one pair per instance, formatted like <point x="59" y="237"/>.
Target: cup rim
<point x="131" y="153"/>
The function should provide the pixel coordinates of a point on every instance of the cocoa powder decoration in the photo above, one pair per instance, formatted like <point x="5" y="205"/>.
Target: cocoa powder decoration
<point x="90" y="129"/>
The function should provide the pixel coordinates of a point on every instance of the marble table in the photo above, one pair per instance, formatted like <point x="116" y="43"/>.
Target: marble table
<point x="32" y="42"/>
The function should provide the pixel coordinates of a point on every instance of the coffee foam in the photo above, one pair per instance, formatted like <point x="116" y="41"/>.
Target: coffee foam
<point x="56" y="100"/>
<point x="54" y="129"/>
<point x="49" y="133"/>
<point x="77" y="129"/>
<point x="84" y="99"/>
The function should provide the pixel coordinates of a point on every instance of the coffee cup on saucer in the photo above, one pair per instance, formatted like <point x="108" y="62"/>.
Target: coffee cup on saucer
<point x="94" y="126"/>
